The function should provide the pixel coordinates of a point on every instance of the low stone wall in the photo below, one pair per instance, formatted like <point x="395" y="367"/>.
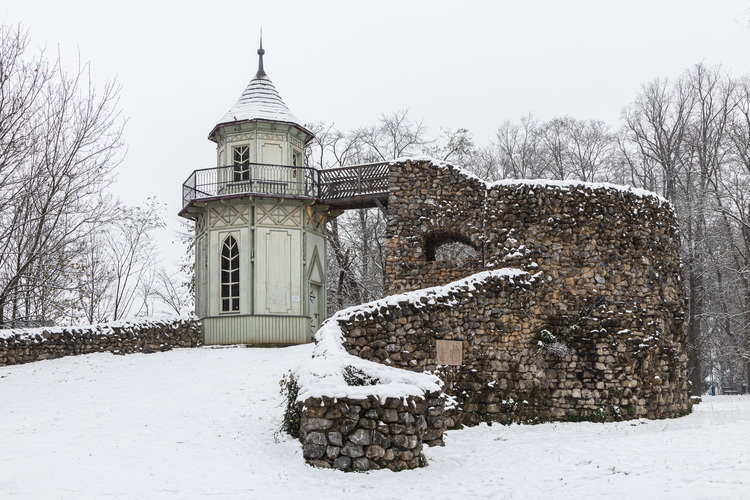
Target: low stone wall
<point x="354" y="414"/>
<point x="607" y="360"/>
<point x="125" y="337"/>
<point x="367" y="433"/>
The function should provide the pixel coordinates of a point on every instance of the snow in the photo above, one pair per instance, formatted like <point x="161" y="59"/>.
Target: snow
<point x="414" y="298"/>
<point x="200" y="422"/>
<point x="572" y="183"/>
<point x="322" y="375"/>
<point x="260" y="101"/>
<point x="101" y="328"/>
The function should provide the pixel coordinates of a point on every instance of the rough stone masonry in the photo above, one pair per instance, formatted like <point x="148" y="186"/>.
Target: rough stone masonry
<point x="593" y="331"/>
<point x="122" y="337"/>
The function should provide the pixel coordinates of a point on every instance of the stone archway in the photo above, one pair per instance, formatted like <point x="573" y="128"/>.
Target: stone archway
<point x="440" y="246"/>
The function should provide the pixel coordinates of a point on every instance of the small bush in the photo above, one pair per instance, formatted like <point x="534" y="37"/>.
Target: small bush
<point x="548" y="343"/>
<point x="292" y="416"/>
<point x="356" y="377"/>
<point x="546" y="337"/>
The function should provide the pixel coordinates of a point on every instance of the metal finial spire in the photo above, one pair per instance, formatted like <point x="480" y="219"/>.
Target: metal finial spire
<point x="261" y="71"/>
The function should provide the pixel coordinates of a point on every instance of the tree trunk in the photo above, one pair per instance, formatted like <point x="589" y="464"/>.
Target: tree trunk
<point x="695" y="302"/>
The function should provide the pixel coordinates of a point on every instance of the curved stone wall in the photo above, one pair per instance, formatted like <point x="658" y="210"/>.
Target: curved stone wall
<point x="369" y="433"/>
<point x="596" y="335"/>
<point x="568" y="227"/>
<point x="354" y="414"/>
<point x="517" y="365"/>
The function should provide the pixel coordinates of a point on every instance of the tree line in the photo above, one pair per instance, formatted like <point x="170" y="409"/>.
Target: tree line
<point x="68" y="251"/>
<point x="686" y="139"/>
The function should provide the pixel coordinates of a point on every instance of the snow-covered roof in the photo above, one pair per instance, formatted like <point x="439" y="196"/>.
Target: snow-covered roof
<point x="260" y="102"/>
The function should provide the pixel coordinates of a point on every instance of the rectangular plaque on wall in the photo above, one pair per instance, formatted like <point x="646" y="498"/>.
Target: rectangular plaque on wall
<point x="450" y="352"/>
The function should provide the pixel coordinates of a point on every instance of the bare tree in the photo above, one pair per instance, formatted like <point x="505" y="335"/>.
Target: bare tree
<point x="132" y="254"/>
<point x="393" y="136"/>
<point x="679" y="140"/>
<point x="486" y="163"/>
<point x="356" y="238"/>
<point x="735" y="184"/>
<point x="591" y="149"/>
<point x="60" y="140"/>
<point x="712" y="108"/>
<point x="553" y="137"/>
<point x="118" y="273"/>
<point x="519" y="149"/>
<point x="94" y="278"/>
<point x="657" y="125"/>
<point x="453" y="146"/>
<point x="334" y="148"/>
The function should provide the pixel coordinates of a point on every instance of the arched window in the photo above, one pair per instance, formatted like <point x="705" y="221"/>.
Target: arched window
<point x="241" y="162"/>
<point x="230" y="275"/>
<point x="449" y="247"/>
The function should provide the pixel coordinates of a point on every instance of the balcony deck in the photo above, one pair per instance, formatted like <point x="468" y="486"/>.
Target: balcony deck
<point x="342" y="188"/>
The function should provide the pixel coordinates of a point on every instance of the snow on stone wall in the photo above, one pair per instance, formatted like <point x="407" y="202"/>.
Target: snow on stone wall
<point x="569" y="227"/>
<point x="356" y="414"/>
<point x="598" y="363"/>
<point x="573" y="309"/>
<point x="596" y="335"/>
<point x="121" y="337"/>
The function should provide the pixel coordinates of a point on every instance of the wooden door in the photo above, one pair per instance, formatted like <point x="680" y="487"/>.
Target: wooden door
<point x="279" y="271"/>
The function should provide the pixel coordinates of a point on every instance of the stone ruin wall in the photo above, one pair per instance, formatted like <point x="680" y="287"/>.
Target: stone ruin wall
<point x="426" y="202"/>
<point x="607" y="298"/>
<point x="29" y="345"/>
<point x="595" y="371"/>
<point x="367" y="433"/>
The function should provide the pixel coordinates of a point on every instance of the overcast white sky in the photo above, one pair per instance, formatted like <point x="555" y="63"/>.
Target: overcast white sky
<point x="454" y="63"/>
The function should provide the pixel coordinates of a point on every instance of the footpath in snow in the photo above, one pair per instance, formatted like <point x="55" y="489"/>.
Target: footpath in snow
<point x="202" y="422"/>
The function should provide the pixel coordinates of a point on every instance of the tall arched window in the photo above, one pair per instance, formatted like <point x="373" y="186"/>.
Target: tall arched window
<point x="230" y="275"/>
<point x="241" y="162"/>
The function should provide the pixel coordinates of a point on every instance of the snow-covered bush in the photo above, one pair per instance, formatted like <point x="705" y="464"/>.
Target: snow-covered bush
<point x="548" y="343"/>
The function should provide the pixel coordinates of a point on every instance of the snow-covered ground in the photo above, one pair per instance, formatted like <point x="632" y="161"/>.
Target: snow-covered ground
<point x="201" y="422"/>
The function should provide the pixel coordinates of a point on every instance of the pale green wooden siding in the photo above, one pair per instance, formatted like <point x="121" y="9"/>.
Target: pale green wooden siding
<point x="256" y="330"/>
<point x="200" y="275"/>
<point x="278" y="272"/>
<point x="281" y="245"/>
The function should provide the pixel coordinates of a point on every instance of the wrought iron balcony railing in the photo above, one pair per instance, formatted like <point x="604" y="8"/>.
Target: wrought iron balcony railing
<point x="357" y="186"/>
<point x="254" y="178"/>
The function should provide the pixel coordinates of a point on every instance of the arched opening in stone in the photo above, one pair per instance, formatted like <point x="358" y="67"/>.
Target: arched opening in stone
<point x="444" y="246"/>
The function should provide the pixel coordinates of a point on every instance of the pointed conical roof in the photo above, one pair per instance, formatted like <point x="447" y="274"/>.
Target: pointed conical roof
<point x="260" y="102"/>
